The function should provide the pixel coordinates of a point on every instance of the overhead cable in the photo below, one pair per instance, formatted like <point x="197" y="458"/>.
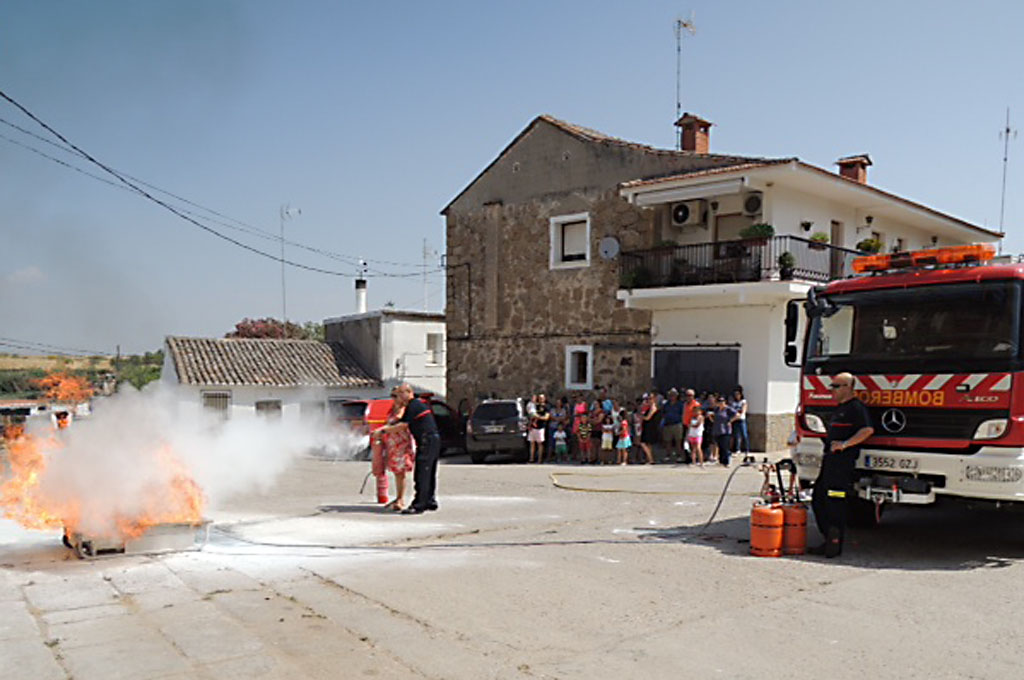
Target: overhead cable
<point x="178" y="212"/>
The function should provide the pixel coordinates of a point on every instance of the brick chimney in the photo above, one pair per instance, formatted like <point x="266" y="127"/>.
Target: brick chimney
<point x="855" y="167"/>
<point x="694" y="133"/>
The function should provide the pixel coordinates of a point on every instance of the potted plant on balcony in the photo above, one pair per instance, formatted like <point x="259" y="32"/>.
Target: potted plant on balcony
<point x="869" y="245"/>
<point x="787" y="263"/>
<point x="761" y="232"/>
<point x="636" y="278"/>
<point x="819" y="240"/>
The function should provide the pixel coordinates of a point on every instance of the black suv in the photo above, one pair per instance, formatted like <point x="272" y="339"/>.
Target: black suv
<point x="497" y="426"/>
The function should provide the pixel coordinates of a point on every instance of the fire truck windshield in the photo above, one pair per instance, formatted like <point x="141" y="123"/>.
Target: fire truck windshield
<point x="952" y="327"/>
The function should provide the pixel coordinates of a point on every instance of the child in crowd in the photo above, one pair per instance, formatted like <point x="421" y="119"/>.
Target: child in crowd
<point x="583" y="438"/>
<point x="561" y="444"/>
<point x="695" y="435"/>
<point x="607" y="438"/>
<point x="625" y="443"/>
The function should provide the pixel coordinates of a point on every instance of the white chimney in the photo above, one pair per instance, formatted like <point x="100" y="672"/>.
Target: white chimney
<point x="360" y="296"/>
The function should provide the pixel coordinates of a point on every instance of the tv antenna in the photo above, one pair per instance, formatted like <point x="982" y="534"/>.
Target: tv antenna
<point x="680" y="26"/>
<point x="1005" y="135"/>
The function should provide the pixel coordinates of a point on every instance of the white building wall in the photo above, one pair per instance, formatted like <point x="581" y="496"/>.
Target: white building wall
<point x="788" y="207"/>
<point x="404" y="356"/>
<point x="749" y="326"/>
<point x="244" y="398"/>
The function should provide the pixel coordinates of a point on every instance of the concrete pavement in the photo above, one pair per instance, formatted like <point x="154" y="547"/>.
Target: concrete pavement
<point x="516" y="578"/>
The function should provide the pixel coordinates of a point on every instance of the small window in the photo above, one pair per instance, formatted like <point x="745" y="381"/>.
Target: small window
<point x="435" y="349"/>
<point x="217" y="402"/>
<point x="312" y="411"/>
<point x="579" y="367"/>
<point x="270" y="408"/>
<point x="897" y="245"/>
<point x="570" y="241"/>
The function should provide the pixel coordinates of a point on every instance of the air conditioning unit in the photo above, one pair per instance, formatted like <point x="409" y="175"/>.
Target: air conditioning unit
<point x="752" y="203"/>
<point x="688" y="213"/>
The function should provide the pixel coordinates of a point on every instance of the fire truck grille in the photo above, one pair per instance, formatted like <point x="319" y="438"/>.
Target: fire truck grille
<point x="926" y="423"/>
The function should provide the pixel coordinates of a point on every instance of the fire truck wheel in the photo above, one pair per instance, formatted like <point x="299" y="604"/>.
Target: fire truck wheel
<point x="865" y="514"/>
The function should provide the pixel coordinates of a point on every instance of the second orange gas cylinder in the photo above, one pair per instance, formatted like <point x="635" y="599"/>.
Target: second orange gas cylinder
<point x="794" y="530"/>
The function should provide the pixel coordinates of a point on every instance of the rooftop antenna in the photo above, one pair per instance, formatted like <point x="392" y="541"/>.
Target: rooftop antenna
<point x="681" y="25"/>
<point x="1005" y="134"/>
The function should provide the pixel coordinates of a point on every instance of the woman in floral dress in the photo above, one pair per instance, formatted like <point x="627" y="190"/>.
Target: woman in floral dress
<point x="399" y="454"/>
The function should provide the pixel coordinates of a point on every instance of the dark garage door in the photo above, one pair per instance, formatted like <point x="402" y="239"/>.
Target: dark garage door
<point x="713" y="370"/>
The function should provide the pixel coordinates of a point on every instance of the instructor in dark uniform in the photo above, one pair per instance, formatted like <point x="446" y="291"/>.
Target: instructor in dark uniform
<point x="848" y="428"/>
<point x="420" y="420"/>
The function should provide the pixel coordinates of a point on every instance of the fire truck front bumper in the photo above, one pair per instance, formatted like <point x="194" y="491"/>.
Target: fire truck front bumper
<point x="993" y="473"/>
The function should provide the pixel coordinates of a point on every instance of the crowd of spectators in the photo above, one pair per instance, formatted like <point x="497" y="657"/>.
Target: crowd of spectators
<point x="687" y="428"/>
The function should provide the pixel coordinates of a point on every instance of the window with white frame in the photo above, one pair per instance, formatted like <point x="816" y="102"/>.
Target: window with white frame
<point x="579" y="367"/>
<point x="570" y="241"/>
<point x="435" y="349"/>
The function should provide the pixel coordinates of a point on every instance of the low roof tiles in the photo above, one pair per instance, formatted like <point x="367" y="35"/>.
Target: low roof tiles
<point x="265" y="362"/>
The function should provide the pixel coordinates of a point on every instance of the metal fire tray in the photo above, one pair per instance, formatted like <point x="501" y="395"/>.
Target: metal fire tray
<point x="170" y="537"/>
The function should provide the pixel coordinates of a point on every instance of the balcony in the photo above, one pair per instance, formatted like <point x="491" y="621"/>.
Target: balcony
<point x="741" y="261"/>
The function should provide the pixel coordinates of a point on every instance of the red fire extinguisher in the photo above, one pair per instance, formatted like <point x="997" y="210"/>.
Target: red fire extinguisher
<point x="378" y="469"/>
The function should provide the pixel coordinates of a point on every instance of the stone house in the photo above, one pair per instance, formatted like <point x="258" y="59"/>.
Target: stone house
<point x="576" y="259"/>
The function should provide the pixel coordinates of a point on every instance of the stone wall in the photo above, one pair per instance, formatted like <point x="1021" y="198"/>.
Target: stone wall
<point x="510" y="316"/>
<point x="769" y="432"/>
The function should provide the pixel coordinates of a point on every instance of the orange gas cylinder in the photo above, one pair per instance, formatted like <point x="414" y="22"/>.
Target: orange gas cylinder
<point x="766" y="526"/>
<point x="794" y="531"/>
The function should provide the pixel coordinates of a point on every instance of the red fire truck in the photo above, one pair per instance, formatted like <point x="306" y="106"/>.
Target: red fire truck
<point x="934" y="341"/>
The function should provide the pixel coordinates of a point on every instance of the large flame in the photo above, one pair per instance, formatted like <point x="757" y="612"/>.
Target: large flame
<point x="66" y="388"/>
<point x="170" y="494"/>
<point x="19" y="493"/>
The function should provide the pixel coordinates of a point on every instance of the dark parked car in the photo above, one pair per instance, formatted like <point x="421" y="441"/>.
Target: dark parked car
<point x="497" y="426"/>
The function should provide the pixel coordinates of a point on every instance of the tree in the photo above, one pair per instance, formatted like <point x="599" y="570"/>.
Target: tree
<point x="272" y="328"/>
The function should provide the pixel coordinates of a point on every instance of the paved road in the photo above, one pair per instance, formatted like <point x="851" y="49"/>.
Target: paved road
<point x="517" y="578"/>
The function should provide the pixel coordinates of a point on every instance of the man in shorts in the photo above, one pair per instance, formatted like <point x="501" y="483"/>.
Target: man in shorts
<point x="672" y="427"/>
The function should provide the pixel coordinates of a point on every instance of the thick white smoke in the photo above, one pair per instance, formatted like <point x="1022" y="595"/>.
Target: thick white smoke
<point x="123" y="459"/>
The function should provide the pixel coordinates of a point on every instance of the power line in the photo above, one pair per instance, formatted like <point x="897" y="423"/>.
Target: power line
<point x="244" y="226"/>
<point x="44" y="345"/>
<point x="185" y="215"/>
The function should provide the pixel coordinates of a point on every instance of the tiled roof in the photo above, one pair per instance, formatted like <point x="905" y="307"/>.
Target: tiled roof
<point x="589" y="135"/>
<point x="276" y="363"/>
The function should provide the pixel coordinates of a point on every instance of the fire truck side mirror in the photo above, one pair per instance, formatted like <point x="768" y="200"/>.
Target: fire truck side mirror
<point x="792" y="325"/>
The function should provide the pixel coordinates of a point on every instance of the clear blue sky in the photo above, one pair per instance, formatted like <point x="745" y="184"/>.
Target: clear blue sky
<point x="370" y="117"/>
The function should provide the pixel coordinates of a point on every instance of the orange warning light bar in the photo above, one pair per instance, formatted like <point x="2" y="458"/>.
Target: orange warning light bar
<point x="979" y="252"/>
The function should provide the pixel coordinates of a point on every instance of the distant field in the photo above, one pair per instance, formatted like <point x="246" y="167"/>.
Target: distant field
<point x="50" y="363"/>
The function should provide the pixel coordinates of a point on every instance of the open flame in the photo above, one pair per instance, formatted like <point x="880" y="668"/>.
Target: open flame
<point x="65" y="388"/>
<point x="168" y="494"/>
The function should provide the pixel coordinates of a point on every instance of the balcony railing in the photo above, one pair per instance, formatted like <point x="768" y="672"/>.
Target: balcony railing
<point x="734" y="262"/>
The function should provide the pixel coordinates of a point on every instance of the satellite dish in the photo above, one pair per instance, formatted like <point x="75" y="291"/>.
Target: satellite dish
<point x="609" y="247"/>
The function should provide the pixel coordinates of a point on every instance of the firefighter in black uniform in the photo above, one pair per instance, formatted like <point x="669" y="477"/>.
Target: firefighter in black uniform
<point x="419" y="418"/>
<point x="848" y="428"/>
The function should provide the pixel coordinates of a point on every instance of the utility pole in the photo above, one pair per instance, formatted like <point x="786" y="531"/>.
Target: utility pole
<point x="286" y="214"/>
<point x="1005" y="135"/>
<point x="428" y="254"/>
<point x="680" y="25"/>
